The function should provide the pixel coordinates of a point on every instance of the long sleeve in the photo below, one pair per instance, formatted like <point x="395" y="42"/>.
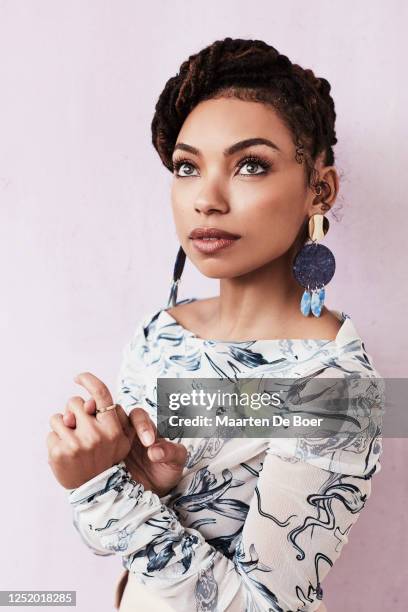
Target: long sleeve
<point x="298" y="521"/>
<point x="267" y="520"/>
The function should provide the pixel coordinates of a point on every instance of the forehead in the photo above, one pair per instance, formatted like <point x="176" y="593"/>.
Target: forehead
<point x="217" y="123"/>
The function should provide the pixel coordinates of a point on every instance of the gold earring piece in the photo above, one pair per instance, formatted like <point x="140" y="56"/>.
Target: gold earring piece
<point x="318" y="227"/>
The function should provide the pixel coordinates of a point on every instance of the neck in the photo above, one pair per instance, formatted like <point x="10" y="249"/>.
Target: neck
<point x="262" y="301"/>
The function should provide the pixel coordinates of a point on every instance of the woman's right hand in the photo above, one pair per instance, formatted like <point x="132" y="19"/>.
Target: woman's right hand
<point x="155" y="461"/>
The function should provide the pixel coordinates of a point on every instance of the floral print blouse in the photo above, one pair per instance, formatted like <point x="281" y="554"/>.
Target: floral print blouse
<point x="254" y="524"/>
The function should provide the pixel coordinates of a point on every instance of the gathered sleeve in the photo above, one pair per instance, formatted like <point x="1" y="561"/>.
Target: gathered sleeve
<point x="298" y="521"/>
<point x="299" y="518"/>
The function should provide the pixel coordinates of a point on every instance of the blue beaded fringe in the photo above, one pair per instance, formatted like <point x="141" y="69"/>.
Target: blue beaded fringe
<point x="312" y="301"/>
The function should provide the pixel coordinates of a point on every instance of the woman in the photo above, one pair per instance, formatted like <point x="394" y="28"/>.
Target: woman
<point x="229" y="523"/>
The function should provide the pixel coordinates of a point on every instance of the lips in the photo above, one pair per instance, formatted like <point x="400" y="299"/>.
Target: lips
<point x="211" y="240"/>
<point x="212" y="232"/>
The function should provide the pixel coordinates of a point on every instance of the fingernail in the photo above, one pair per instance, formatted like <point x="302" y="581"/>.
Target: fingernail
<point x="147" y="436"/>
<point x="157" y="453"/>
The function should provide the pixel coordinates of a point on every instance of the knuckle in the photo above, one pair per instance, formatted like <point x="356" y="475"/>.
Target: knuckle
<point x="91" y="442"/>
<point x="94" y="437"/>
<point x="53" y="418"/>
<point x="71" y="399"/>
<point x="74" y="449"/>
<point x="113" y="433"/>
<point x="103" y="393"/>
<point x="55" y="454"/>
<point x="73" y="402"/>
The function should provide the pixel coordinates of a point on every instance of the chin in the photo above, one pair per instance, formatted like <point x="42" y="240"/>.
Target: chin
<point x="220" y="270"/>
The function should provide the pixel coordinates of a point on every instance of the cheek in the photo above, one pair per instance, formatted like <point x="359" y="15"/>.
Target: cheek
<point x="272" y="220"/>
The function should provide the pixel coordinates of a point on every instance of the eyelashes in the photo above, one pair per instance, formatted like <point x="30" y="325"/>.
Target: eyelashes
<point x="257" y="160"/>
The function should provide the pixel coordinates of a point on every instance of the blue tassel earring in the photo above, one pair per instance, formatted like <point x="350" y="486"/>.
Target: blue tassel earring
<point x="314" y="267"/>
<point x="178" y="271"/>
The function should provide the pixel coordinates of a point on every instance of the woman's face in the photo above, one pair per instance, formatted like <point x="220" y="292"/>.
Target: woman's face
<point x="264" y="201"/>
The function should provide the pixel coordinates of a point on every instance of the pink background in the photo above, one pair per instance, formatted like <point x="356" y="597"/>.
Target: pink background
<point x="87" y="240"/>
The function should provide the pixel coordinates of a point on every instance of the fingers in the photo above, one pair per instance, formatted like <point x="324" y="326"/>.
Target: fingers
<point x="89" y="407"/>
<point x="61" y="431"/>
<point x="69" y="417"/>
<point x="75" y="407"/>
<point x="97" y="389"/>
<point x="87" y="427"/>
<point x="55" y="446"/>
<point x="125" y="423"/>
<point x="52" y="440"/>
<point x="168" y="452"/>
<point x="144" y="426"/>
<point x="108" y="421"/>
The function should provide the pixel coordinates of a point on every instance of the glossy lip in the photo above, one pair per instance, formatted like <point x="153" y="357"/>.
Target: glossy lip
<point x="209" y="247"/>
<point x="212" y="232"/>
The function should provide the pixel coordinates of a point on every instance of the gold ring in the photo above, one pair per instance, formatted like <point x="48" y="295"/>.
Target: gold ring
<point x="99" y="410"/>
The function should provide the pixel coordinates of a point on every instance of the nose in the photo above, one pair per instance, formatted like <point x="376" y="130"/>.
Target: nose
<point x="211" y="199"/>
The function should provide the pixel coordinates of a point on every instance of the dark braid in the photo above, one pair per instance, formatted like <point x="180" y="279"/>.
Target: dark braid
<point x="249" y="70"/>
<point x="255" y="71"/>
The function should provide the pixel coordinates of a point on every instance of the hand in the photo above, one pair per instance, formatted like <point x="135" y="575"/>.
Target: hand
<point x="158" y="474"/>
<point x="97" y="443"/>
<point x="155" y="462"/>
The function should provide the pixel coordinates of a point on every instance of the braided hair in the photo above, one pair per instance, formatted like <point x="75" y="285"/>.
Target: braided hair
<point x="251" y="70"/>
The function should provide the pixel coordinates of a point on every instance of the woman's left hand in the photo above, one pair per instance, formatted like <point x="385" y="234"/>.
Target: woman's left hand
<point x="97" y="443"/>
<point x="153" y="461"/>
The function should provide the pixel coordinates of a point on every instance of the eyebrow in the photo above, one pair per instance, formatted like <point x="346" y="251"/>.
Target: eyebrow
<point x="242" y="144"/>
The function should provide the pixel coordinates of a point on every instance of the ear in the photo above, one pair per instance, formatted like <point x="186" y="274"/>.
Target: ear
<point x="328" y="179"/>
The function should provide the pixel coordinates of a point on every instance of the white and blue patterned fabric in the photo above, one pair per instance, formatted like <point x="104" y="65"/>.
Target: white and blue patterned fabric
<point x="253" y="524"/>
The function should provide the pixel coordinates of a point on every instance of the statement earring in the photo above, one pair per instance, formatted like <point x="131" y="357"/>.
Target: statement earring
<point x="314" y="267"/>
<point x="178" y="271"/>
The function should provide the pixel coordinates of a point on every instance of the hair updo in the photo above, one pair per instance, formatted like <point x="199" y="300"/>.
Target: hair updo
<point x="255" y="71"/>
